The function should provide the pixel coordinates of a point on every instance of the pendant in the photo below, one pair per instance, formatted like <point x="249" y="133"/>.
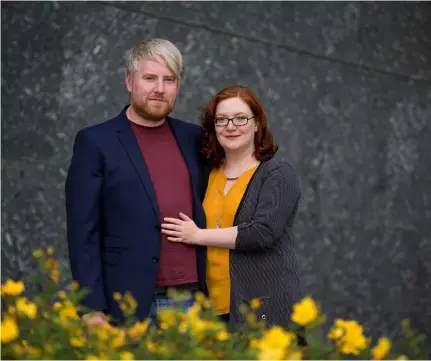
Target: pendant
<point x="218" y="223"/>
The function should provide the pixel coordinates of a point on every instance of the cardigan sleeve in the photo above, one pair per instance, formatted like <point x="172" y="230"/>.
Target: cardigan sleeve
<point x="278" y="199"/>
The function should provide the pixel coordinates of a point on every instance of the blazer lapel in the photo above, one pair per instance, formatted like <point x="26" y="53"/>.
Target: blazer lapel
<point x="183" y="140"/>
<point x="131" y="146"/>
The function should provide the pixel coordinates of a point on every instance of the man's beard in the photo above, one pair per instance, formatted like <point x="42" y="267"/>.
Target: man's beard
<point x="152" y="112"/>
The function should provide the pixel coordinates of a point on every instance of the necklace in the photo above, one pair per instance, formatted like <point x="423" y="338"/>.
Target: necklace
<point x="235" y="178"/>
<point x="219" y="207"/>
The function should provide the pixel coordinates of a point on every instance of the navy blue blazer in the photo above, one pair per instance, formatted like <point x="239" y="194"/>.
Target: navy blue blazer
<point x="113" y="220"/>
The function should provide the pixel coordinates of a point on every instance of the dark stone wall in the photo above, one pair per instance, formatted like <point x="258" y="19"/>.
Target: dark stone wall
<point x="346" y="85"/>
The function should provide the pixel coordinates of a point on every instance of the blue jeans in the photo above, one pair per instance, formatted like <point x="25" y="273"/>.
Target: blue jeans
<point x="162" y="302"/>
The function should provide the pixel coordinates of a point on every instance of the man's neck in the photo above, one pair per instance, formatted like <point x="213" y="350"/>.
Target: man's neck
<point x="136" y="118"/>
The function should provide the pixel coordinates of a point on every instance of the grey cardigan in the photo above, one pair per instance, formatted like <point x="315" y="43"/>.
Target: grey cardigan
<point x="263" y="263"/>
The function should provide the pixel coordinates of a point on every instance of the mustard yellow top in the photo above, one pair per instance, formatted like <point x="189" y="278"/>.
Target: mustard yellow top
<point x="220" y="211"/>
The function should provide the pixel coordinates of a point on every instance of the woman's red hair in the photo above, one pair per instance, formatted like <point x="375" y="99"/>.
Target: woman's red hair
<point x="263" y="140"/>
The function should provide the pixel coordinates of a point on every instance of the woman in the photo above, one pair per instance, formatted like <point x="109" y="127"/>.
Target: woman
<point x="250" y="205"/>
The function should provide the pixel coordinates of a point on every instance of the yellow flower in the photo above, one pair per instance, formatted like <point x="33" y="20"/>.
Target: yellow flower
<point x="138" y="329"/>
<point x="37" y="253"/>
<point x="77" y="341"/>
<point x="19" y="350"/>
<point x="168" y="317"/>
<point x="62" y="295"/>
<point x="335" y="333"/>
<point x="67" y="313"/>
<point x="305" y="311"/>
<point x="402" y="358"/>
<point x="51" y="264"/>
<point x="183" y="327"/>
<point x="56" y="305"/>
<point x="119" y="338"/>
<point x="382" y="348"/>
<point x="193" y="313"/>
<point x="278" y="337"/>
<point x="75" y="285"/>
<point x="255" y="304"/>
<point x="117" y="296"/>
<point x="92" y="357"/>
<point x="48" y="348"/>
<point x="103" y="332"/>
<point x="271" y="354"/>
<point x="222" y="336"/>
<point x="273" y="344"/>
<point x="199" y="297"/>
<point x="199" y="328"/>
<point x="50" y="250"/>
<point x="254" y="343"/>
<point x="201" y="300"/>
<point x="128" y="304"/>
<point x="26" y="349"/>
<point x="126" y="355"/>
<point x="151" y="346"/>
<point x="9" y="330"/>
<point x="348" y="336"/>
<point x="251" y="318"/>
<point x="55" y="275"/>
<point x="28" y="309"/>
<point x="293" y="355"/>
<point x="12" y="288"/>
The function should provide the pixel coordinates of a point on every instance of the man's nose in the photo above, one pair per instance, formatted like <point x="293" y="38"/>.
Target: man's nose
<point x="160" y="86"/>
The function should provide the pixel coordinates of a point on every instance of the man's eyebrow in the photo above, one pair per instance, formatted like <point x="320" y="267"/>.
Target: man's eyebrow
<point x="163" y="76"/>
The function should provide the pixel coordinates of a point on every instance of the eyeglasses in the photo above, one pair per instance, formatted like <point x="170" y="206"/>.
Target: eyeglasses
<point x="237" y="121"/>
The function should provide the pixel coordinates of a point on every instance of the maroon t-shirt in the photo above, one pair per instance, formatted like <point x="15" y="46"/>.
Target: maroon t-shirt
<point x="171" y="181"/>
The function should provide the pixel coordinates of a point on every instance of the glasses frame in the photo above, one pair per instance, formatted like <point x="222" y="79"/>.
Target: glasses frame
<point x="231" y="120"/>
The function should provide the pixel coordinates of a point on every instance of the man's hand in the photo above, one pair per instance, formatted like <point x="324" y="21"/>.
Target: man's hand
<point x="94" y="319"/>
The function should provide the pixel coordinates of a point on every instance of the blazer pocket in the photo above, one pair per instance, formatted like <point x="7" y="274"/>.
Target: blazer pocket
<point x="113" y="242"/>
<point x="111" y="258"/>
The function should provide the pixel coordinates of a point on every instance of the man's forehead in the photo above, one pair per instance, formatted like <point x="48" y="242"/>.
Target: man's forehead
<point x="158" y="65"/>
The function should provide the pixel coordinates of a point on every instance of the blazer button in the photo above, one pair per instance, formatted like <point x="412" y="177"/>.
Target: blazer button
<point x="155" y="259"/>
<point x="158" y="228"/>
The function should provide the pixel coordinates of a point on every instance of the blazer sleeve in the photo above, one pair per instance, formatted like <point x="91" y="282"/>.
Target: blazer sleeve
<point x="83" y="209"/>
<point x="278" y="200"/>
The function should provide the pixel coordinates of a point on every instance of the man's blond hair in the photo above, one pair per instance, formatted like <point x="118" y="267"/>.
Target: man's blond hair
<point x="149" y="49"/>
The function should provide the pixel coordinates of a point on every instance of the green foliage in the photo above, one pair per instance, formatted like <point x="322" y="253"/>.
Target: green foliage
<point x="37" y="329"/>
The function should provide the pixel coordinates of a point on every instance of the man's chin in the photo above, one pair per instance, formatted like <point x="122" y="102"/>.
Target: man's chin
<point x="155" y="114"/>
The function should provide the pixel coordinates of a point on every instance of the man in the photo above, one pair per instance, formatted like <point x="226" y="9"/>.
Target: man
<point x="125" y="176"/>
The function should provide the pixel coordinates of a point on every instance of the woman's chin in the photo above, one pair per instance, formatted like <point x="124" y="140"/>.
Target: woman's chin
<point x="232" y="148"/>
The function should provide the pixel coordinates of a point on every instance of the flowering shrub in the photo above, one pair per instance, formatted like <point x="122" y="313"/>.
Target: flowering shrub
<point x="39" y="328"/>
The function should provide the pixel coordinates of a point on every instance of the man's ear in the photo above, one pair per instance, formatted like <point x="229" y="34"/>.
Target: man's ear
<point x="128" y="81"/>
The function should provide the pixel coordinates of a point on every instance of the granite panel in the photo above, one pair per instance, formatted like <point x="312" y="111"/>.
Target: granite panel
<point x="359" y="140"/>
<point x="390" y="36"/>
<point x="62" y="69"/>
<point x="396" y="36"/>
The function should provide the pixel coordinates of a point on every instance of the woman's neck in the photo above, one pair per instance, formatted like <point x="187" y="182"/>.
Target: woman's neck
<point x="237" y="163"/>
